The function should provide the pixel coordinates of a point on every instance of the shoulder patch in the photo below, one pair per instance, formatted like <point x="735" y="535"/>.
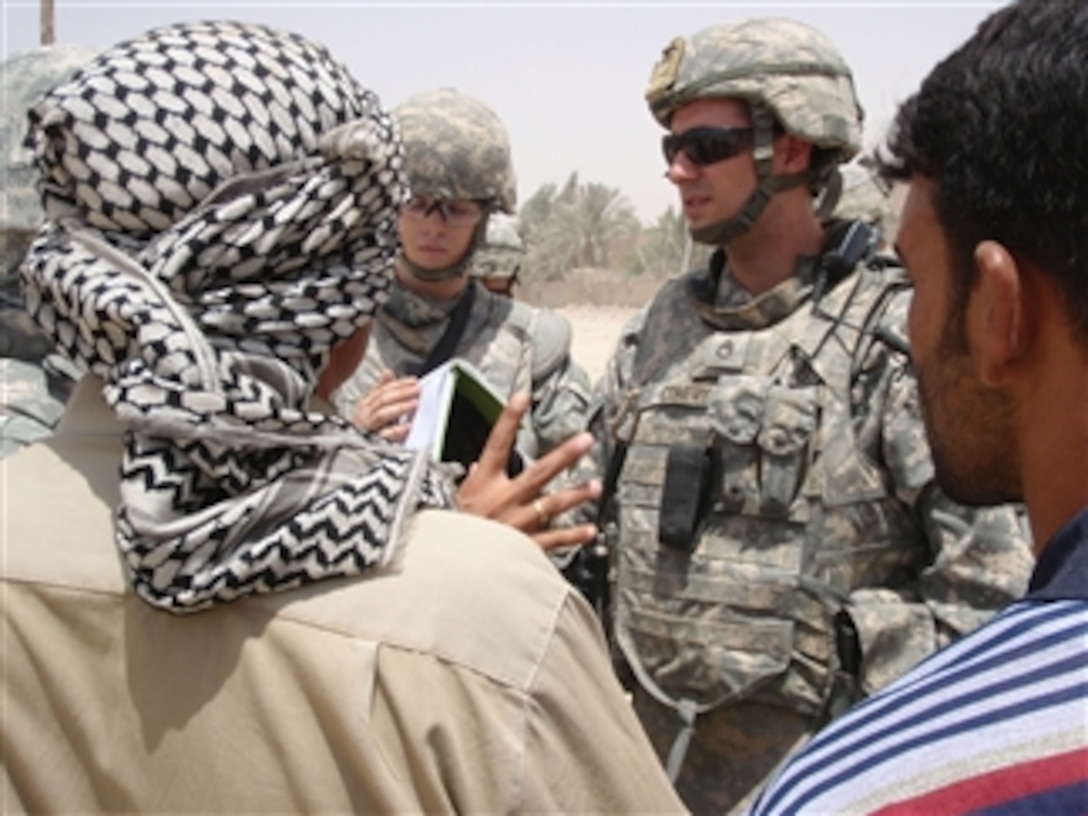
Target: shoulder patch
<point x="665" y="71"/>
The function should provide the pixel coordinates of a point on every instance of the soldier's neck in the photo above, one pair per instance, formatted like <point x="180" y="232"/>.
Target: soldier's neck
<point x="767" y="254"/>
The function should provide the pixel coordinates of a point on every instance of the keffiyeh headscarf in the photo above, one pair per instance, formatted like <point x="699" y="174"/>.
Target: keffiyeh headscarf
<point x="221" y="203"/>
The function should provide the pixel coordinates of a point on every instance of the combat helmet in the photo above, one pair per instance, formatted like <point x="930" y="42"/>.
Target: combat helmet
<point x="791" y="76"/>
<point x="23" y="78"/>
<point x="500" y="256"/>
<point x="456" y="147"/>
<point x="861" y="196"/>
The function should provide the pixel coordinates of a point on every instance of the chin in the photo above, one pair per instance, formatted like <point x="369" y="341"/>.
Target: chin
<point x="975" y="478"/>
<point x="429" y="264"/>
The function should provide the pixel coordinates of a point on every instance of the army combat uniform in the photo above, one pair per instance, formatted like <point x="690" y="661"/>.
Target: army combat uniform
<point x="779" y="546"/>
<point x="34" y="383"/>
<point x="516" y="346"/>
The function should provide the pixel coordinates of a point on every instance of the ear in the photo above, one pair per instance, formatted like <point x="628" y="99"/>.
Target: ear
<point x="796" y="155"/>
<point x="999" y="316"/>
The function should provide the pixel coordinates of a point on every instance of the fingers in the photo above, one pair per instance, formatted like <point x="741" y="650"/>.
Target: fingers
<point x="578" y="535"/>
<point x="396" y="433"/>
<point x="534" y="478"/>
<point x="538" y="513"/>
<point x="520" y="502"/>
<point x="388" y="404"/>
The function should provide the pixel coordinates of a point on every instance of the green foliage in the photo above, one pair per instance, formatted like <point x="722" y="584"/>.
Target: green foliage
<point x="660" y="249"/>
<point x="590" y="225"/>
<point x="576" y="226"/>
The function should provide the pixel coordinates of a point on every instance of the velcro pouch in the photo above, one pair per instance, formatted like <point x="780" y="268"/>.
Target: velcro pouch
<point x="689" y="471"/>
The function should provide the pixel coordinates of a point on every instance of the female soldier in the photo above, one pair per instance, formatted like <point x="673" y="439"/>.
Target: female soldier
<point x="459" y="168"/>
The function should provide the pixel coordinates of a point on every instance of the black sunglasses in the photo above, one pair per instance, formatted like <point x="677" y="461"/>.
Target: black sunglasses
<point x="707" y="145"/>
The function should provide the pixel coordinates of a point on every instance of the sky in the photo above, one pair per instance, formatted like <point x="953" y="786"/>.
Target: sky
<point x="567" y="78"/>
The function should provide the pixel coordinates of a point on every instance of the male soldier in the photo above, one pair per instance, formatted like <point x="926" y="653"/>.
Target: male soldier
<point x="460" y="171"/>
<point x="780" y="547"/>
<point x="497" y="263"/>
<point x="994" y="237"/>
<point x="34" y="383"/>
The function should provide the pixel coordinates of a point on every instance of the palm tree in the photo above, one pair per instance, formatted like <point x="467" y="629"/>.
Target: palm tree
<point x="536" y="211"/>
<point x="665" y="248"/>
<point x="579" y="225"/>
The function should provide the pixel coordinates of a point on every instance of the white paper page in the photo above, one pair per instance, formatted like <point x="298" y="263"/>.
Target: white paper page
<point x="431" y="412"/>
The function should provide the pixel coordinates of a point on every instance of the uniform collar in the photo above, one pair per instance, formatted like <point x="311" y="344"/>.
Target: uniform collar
<point x="726" y="305"/>
<point x="1062" y="570"/>
<point x="415" y="310"/>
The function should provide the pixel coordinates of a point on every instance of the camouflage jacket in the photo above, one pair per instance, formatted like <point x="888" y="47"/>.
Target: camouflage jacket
<point x="516" y="346"/>
<point x="32" y="399"/>
<point x="802" y="427"/>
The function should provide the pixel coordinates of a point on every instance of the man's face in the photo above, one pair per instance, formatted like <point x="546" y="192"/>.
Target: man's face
<point x="968" y="426"/>
<point x="711" y="193"/>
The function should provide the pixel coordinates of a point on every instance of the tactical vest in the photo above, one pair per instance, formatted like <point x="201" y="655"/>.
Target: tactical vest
<point x="755" y="431"/>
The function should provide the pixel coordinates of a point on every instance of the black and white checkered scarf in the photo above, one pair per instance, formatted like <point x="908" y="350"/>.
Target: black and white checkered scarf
<point x="221" y="201"/>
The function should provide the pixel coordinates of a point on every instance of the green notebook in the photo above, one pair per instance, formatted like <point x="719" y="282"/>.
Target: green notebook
<point x="457" y="409"/>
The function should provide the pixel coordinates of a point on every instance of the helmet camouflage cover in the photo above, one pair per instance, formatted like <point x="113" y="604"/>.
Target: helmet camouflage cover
<point x="456" y="147"/>
<point x="502" y="250"/>
<point x="787" y="66"/>
<point x="864" y="197"/>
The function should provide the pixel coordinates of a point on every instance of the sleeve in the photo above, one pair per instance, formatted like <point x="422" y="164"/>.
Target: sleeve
<point x="585" y="749"/>
<point x="605" y="415"/>
<point x="560" y="401"/>
<point x="977" y="560"/>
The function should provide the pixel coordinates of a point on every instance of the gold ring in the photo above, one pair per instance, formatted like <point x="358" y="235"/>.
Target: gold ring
<point x="541" y="513"/>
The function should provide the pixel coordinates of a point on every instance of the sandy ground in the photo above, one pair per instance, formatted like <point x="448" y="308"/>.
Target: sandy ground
<point x="596" y="329"/>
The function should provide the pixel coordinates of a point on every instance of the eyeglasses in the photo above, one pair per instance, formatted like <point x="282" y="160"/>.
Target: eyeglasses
<point x="456" y="212"/>
<point x="707" y="145"/>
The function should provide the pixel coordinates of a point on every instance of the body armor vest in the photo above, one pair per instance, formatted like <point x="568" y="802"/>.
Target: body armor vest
<point x="749" y="440"/>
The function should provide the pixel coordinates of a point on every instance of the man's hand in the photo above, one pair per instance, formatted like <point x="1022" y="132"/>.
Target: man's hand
<point x="520" y="502"/>
<point x="388" y="409"/>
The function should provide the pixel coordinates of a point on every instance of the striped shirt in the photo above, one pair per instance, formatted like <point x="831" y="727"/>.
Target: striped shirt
<point x="996" y="723"/>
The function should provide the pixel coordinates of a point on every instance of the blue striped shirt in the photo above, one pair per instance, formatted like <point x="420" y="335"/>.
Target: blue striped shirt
<point x="996" y="723"/>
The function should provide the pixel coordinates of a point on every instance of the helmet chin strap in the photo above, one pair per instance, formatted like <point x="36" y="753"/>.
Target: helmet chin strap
<point x="455" y="270"/>
<point x="722" y="232"/>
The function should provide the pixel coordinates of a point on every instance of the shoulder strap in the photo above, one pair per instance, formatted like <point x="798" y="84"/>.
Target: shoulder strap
<point x="455" y="330"/>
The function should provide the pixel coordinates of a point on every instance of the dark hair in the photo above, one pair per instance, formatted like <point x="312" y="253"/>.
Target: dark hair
<point x="1001" y="126"/>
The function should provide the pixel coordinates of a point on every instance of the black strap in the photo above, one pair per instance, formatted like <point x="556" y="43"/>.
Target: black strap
<point x="447" y="343"/>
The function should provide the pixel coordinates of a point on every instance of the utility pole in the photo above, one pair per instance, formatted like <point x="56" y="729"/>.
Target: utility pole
<point x="48" y="36"/>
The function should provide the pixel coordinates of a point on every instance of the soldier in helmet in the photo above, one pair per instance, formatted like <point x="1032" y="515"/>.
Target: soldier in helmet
<point x="34" y="382"/>
<point x="778" y="544"/>
<point x="460" y="172"/>
<point x="497" y="263"/>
